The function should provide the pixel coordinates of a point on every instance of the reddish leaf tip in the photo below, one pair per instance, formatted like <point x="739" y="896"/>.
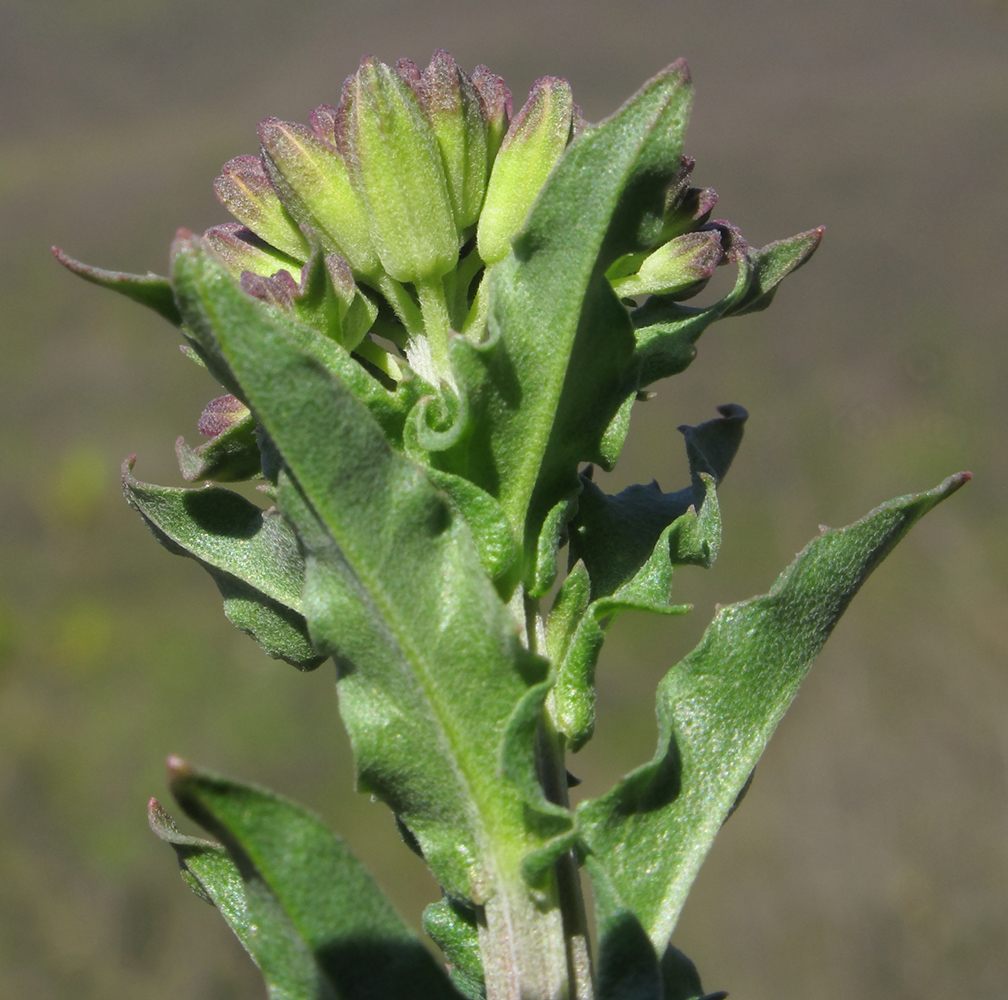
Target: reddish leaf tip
<point x="178" y="768"/>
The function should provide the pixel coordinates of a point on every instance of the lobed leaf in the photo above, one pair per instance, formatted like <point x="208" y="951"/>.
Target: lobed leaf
<point x="718" y="708"/>
<point x="625" y="547"/>
<point x="313" y="918"/>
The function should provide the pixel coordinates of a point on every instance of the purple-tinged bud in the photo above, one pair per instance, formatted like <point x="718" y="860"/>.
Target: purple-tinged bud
<point x="534" y="142"/>
<point x="232" y="453"/>
<point x="325" y="298"/>
<point x="677" y="269"/>
<point x="313" y="183"/>
<point x="323" y="122"/>
<point x="497" y="107"/>
<point x="277" y="289"/>
<point x="455" y="110"/>
<point x="734" y="245"/>
<point x="239" y="249"/>
<point x="686" y="208"/>
<point x="244" y="189"/>
<point x="395" y="165"/>
<point x="355" y="311"/>
<point x="221" y="414"/>
<point x="409" y="73"/>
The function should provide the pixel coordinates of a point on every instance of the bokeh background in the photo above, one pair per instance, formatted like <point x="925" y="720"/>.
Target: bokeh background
<point x="870" y="858"/>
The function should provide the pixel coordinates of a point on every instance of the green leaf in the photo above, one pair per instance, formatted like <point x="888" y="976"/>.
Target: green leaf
<point x="454" y="928"/>
<point x="495" y="542"/>
<point x="559" y="362"/>
<point x="626" y="547"/>
<point x="628" y="967"/>
<point x="575" y="642"/>
<point x="252" y="555"/>
<point x="231" y="456"/>
<point x="148" y="289"/>
<point x="666" y="331"/>
<point x="317" y="925"/>
<point x="718" y="708"/>
<point x="207" y="870"/>
<point x="771" y="265"/>
<point x="394" y="589"/>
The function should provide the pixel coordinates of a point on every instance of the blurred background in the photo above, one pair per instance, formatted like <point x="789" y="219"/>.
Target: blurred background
<point x="870" y="858"/>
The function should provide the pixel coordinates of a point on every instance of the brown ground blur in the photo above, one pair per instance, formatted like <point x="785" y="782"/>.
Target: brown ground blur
<point x="870" y="858"/>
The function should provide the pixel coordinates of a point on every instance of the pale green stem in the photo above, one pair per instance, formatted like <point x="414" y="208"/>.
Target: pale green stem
<point x="402" y="303"/>
<point x="436" y="323"/>
<point x="380" y="358"/>
<point x="537" y="948"/>
<point x="472" y="329"/>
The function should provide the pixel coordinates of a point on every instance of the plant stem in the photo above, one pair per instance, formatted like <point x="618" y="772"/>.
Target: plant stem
<point x="546" y="953"/>
<point x="436" y="323"/>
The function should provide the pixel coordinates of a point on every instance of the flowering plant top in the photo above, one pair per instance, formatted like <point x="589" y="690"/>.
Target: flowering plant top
<point x="431" y="319"/>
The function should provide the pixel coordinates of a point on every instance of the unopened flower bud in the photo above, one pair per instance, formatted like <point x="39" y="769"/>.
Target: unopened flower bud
<point x="312" y="181"/>
<point x="497" y="107"/>
<point x="686" y="208"/>
<point x="395" y="165"/>
<point x="455" y="110"/>
<point x="678" y="268"/>
<point x="534" y="142"/>
<point x="244" y="189"/>
<point x="241" y="250"/>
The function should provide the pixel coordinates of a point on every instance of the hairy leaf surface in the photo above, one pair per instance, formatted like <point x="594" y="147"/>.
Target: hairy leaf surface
<point x="718" y="708"/>
<point x="394" y="589"/>
<point x="313" y="919"/>
<point x="252" y="555"/>
<point x="559" y="363"/>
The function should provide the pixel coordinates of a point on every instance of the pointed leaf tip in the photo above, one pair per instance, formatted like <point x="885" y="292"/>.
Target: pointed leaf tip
<point x="178" y="769"/>
<point x="148" y="289"/>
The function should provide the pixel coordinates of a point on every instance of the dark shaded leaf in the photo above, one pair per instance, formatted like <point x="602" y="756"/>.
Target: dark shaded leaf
<point x="252" y="555"/>
<point x="301" y="879"/>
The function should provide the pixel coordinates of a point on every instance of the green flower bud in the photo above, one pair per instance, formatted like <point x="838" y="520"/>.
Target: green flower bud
<point x="534" y="142"/>
<point x="679" y="268"/>
<point x="455" y="110"/>
<point x="246" y="192"/>
<point x="241" y="250"/>
<point x="497" y="107"/>
<point x="395" y="165"/>
<point x="312" y="181"/>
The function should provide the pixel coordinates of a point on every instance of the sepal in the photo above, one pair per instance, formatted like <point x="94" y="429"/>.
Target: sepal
<point x="395" y="165"/>
<point x="313" y="182"/>
<point x="455" y="109"/>
<point x="535" y="139"/>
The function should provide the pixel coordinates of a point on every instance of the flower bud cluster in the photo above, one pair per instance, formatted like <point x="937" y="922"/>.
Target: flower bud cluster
<point x="397" y="199"/>
<point x="376" y="221"/>
<point x="688" y="247"/>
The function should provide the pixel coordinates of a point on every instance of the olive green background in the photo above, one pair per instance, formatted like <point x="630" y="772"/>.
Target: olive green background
<point x="870" y="858"/>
